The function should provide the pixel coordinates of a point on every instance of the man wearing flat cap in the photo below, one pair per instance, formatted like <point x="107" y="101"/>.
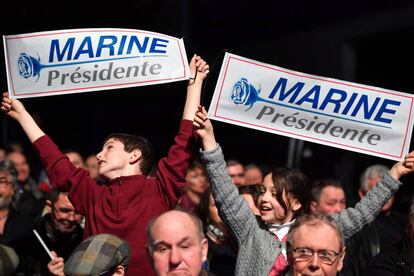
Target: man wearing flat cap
<point x="102" y="254"/>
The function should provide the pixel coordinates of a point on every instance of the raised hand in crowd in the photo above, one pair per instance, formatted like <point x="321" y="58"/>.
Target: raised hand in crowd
<point x="16" y="110"/>
<point x="204" y="129"/>
<point x="403" y="167"/>
<point x="55" y="266"/>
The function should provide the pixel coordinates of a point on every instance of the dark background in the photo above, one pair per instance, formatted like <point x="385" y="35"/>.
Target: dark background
<point x="368" y="42"/>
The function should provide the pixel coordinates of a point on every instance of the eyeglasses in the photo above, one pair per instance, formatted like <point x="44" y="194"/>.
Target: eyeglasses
<point x="4" y="182"/>
<point x="303" y="254"/>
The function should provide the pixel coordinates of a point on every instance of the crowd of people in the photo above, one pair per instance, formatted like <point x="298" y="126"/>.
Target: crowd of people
<point x="114" y="214"/>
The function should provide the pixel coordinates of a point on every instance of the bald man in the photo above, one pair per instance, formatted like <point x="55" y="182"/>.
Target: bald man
<point x="176" y="244"/>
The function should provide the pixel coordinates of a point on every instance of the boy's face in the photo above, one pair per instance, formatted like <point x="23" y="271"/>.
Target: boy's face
<point x="113" y="159"/>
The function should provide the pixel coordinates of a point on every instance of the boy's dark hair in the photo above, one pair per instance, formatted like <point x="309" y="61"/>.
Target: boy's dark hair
<point x="133" y="142"/>
<point x="294" y="183"/>
<point x="321" y="184"/>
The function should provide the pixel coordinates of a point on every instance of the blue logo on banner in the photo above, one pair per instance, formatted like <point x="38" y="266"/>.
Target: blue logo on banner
<point x="246" y="94"/>
<point x="29" y="66"/>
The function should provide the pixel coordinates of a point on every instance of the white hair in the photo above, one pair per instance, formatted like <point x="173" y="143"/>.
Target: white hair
<point x="371" y="171"/>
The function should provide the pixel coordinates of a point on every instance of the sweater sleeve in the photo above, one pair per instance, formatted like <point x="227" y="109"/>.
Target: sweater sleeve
<point x="352" y="220"/>
<point x="63" y="175"/>
<point x="233" y="209"/>
<point x="172" y="168"/>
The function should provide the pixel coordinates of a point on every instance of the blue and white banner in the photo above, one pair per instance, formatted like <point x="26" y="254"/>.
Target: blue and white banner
<point x="81" y="60"/>
<point x="332" y="112"/>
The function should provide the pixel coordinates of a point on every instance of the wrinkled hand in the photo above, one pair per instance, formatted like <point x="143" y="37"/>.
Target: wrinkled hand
<point x="13" y="108"/>
<point x="198" y="69"/>
<point x="403" y="167"/>
<point x="55" y="266"/>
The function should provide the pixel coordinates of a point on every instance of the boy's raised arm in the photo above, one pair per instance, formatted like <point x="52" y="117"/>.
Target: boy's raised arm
<point x="198" y="70"/>
<point x="16" y="110"/>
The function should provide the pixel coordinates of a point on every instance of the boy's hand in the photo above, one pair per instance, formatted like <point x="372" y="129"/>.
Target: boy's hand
<point x="198" y="70"/>
<point x="13" y="108"/>
<point x="204" y="129"/>
<point x="402" y="168"/>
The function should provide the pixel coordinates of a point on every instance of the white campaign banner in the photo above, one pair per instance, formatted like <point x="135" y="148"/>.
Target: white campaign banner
<point x="81" y="60"/>
<point x="332" y="112"/>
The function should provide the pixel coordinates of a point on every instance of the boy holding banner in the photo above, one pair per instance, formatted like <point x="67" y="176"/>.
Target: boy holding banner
<point x="129" y="199"/>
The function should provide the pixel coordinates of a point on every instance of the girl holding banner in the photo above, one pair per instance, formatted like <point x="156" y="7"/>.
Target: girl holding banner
<point x="284" y="196"/>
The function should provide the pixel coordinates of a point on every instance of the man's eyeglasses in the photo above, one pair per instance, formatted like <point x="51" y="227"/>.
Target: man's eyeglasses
<point x="303" y="254"/>
<point x="4" y="182"/>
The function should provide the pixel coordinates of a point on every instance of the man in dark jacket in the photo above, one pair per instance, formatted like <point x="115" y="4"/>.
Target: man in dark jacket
<point x="59" y="229"/>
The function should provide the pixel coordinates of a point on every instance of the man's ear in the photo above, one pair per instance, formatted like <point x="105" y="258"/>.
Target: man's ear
<point x="48" y="207"/>
<point x="204" y="249"/>
<point x="361" y="194"/>
<point x="341" y="259"/>
<point x="313" y="206"/>
<point x="135" y="156"/>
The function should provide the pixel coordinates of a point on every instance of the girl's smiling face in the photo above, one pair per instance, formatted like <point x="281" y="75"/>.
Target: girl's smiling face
<point x="271" y="211"/>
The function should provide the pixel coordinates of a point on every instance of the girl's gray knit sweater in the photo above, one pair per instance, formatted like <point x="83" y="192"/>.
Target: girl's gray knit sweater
<point x="257" y="247"/>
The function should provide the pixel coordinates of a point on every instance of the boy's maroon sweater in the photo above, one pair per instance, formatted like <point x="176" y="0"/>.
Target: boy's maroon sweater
<point x="124" y="205"/>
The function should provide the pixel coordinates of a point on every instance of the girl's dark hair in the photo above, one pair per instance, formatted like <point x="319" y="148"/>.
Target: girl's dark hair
<point x="295" y="184"/>
<point x="202" y="210"/>
<point x="133" y="142"/>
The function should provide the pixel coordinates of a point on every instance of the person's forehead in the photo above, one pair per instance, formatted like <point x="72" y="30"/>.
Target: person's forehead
<point x="318" y="236"/>
<point x="174" y="227"/>
<point x="268" y="181"/>
<point x="235" y="167"/>
<point x="195" y="170"/>
<point x="253" y="171"/>
<point x="16" y="157"/>
<point x="330" y="191"/>
<point x="63" y="200"/>
<point x="113" y="141"/>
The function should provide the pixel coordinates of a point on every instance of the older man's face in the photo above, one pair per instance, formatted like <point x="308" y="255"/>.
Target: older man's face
<point x="22" y="167"/>
<point x="6" y="189"/>
<point x="178" y="249"/>
<point x="327" y="255"/>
